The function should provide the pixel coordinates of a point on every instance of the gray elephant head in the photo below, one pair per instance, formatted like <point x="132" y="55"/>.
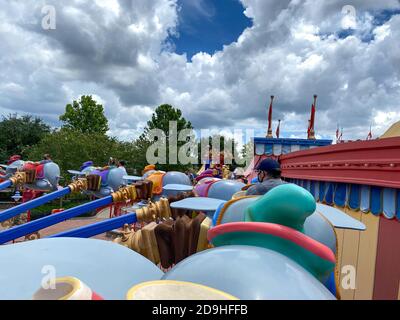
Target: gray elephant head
<point x="12" y="168"/>
<point x="102" y="182"/>
<point x="218" y="188"/>
<point x="46" y="176"/>
<point x="250" y="273"/>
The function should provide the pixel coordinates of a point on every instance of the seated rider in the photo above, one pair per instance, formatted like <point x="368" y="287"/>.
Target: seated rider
<point x="121" y="166"/>
<point x="269" y="177"/>
<point x="46" y="159"/>
<point x="112" y="163"/>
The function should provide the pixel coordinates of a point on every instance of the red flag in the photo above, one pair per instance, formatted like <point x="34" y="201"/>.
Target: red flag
<point x="278" y="130"/>
<point x="311" y="131"/>
<point x="312" y="118"/>
<point x="269" y="134"/>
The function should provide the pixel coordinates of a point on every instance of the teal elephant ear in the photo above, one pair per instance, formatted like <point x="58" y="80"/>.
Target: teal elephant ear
<point x="287" y="205"/>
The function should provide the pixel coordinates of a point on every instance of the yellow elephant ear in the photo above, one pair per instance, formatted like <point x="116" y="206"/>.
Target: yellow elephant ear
<point x="175" y="290"/>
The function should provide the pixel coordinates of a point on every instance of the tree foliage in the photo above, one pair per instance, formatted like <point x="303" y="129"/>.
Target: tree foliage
<point x="70" y="148"/>
<point x="18" y="134"/>
<point x="86" y="116"/>
<point x="161" y="119"/>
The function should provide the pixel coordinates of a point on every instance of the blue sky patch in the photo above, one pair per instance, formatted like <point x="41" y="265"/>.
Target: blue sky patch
<point x="207" y="25"/>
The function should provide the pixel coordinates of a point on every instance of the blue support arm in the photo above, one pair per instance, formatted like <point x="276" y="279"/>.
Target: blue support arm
<point x="5" y="184"/>
<point x="23" y="207"/>
<point x="33" y="226"/>
<point x="98" y="228"/>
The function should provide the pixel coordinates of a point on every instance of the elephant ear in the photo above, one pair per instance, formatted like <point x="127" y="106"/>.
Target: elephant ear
<point x="178" y="187"/>
<point x="198" y="204"/>
<point x="76" y="173"/>
<point x="132" y="178"/>
<point x="339" y="219"/>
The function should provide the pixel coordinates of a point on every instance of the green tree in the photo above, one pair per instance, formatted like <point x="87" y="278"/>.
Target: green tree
<point x="18" y="134"/>
<point x="70" y="148"/>
<point x="86" y="116"/>
<point x="161" y="119"/>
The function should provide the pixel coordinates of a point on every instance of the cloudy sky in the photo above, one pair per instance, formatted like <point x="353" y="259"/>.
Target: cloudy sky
<point x="217" y="60"/>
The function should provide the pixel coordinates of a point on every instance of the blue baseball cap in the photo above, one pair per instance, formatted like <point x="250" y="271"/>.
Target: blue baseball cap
<point x="268" y="165"/>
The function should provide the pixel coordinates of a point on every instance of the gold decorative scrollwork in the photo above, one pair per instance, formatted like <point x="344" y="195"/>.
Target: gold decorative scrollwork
<point x="125" y="194"/>
<point x="19" y="178"/>
<point x="154" y="211"/>
<point x="129" y="239"/>
<point x="225" y="172"/>
<point x="7" y="224"/>
<point x="78" y="185"/>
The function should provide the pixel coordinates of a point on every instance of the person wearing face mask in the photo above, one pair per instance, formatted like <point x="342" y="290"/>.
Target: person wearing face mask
<point x="269" y="177"/>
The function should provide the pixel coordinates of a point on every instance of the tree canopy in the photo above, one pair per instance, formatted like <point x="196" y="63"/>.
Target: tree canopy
<point x="161" y="119"/>
<point x="163" y="115"/>
<point x="70" y="149"/>
<point x="83" y="137"/>
<point x="19" y="133"/>
<point x="86" y="116"/>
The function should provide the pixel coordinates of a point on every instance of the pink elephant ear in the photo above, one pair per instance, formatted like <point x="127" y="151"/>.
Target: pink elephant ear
<point x="67" y="288"/>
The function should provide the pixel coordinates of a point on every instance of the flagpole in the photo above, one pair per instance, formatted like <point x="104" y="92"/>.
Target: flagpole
<point x="269" y="133"/>
<point x="337" y="133"/>
<point x="312" y="121"/>
<point x="278" y="130"/>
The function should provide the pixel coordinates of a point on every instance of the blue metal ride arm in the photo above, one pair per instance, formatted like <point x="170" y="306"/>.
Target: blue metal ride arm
<point x="33" y="226"/>
<point x="23" y="207"/>
<point x="5" y="184"/>
<point x="98" y="228"/>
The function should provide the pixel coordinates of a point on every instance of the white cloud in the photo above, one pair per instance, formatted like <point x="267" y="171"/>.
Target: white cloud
<point x="117" y="51"/>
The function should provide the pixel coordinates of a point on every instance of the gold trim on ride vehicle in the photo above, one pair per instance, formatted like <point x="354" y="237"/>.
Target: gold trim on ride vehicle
<point x="19" y="178"/>
<point x="78" y="185"/>
<point x="124" y="194"/>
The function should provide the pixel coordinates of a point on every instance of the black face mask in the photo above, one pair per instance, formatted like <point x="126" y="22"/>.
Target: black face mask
<point x="261" y="176"/>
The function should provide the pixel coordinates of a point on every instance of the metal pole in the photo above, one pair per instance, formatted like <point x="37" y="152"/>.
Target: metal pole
<point x="5" y="184"/>
<point x="98" y="228"/>
<point x="33" y="226"/>
<point x="23" y="207"/>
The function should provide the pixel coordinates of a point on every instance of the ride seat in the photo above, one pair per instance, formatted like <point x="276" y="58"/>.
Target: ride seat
<point x="33" y="171"/>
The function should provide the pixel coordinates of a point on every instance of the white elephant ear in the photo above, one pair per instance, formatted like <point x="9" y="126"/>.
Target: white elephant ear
<point x="76" y="173"/>
<point x="178" y="187"/>
<point x="339" y="219"/>
<point x="198" y="204"/>
<point x="132" y="178"/>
